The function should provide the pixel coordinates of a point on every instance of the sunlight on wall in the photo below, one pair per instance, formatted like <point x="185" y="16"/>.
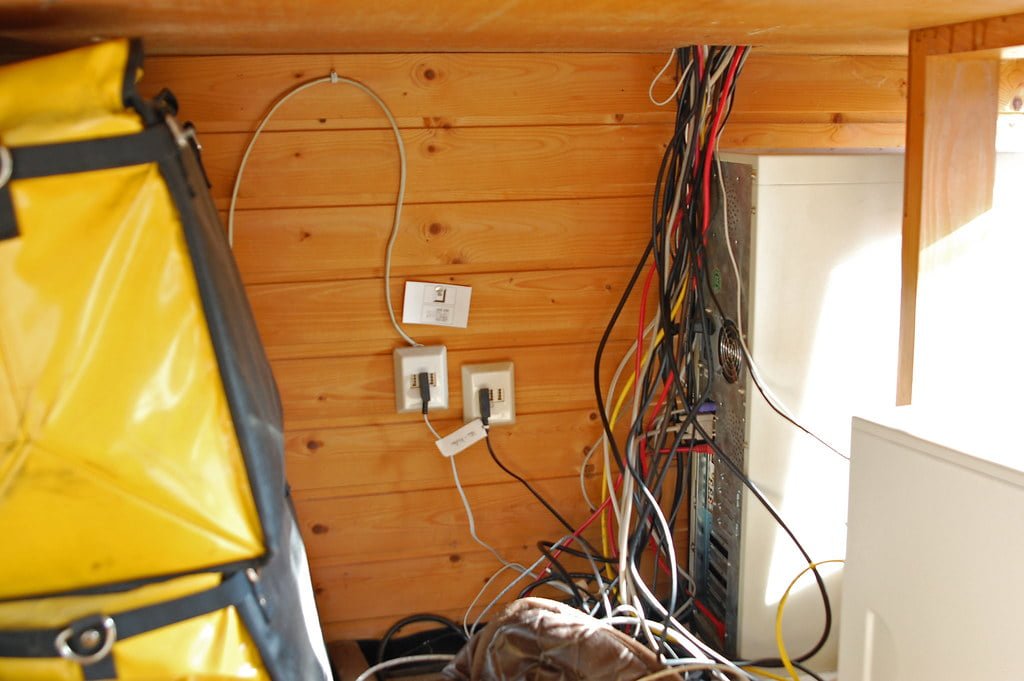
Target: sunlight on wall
<point x="970" y="313"/>
<point x="851" y="370"/>
<point x="826" y="295"/>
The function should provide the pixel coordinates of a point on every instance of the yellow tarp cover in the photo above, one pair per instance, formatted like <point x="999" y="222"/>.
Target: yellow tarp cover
<point x="118" y="457"/>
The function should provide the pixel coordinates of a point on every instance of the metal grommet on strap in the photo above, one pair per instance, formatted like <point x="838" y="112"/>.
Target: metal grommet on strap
<point x="6" y="166"/>
<point x="182" y="136"/>
<point x="87" y="641"/>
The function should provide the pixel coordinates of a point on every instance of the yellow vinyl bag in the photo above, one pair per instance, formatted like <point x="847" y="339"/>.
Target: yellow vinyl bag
<point x="147" y="528"/>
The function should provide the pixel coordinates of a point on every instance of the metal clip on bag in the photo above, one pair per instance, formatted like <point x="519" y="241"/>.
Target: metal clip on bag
<point x="147" y="532"/>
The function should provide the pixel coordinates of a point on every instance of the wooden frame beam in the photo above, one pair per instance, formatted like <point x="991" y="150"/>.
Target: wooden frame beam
<point x="953" y="101"/>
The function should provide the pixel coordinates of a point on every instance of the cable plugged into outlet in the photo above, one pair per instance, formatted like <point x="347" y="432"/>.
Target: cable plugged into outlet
<point x="498" y="380"/>
<point x="421" y="371"/>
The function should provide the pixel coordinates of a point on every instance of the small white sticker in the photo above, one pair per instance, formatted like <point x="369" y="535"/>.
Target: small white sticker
<point x="437" y="304"/>
<point x="467" y="435"/>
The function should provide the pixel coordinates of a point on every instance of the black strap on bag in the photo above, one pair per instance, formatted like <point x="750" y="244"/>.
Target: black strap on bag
<point x="89" y="641"/>
<point x="152" y="145"/>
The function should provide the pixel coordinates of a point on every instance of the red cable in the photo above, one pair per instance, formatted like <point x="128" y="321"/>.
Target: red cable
<point x="715" y="622"/>
<point x="713" y="136"/>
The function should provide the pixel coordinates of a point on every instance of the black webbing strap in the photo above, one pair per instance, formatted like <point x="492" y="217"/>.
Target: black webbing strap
<point x="44" y="160"/>
<point x="86" y="636"/>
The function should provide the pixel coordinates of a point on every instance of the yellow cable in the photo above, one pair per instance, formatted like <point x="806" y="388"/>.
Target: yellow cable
<point x="765" y="673"/>
<point x="783" y="655"/>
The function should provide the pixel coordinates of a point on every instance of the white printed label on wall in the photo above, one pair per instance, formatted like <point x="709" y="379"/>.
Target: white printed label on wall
<point x="437" y="304"/>
<point x="467" y="435"/>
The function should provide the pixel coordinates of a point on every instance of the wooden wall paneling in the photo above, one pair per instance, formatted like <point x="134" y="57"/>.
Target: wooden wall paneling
<point x="360" y="167"/>
<point x="331" y="243"/>
<point x="821" y="89"/>
<point x="353" y="589"/>
<point x="955" y="79"/>
<point x="795" y="137"/>
<point x="348" y="391"/>
<point x="458" y="90"/>
<point x="430" y="522"/>
<point x="825" y="101"/>
<point x="423" y="90"/>
<point x="342" y="318"/>
<point x="380" y="459"/>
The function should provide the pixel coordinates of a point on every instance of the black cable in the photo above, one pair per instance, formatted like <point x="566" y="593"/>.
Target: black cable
<point x="484" y="415"/>
<point x="770" y="662"/>
<point x="553" y="578"/>
<point x="678" y="174"/>
<point x="551" y="509"/>
<point x="677" y="247"/>
<point x="756" y="491"/>
<point x="754" y="377"/>
<point x="414" y="619"/>
<point x="579" y="554"/>
<point x="579" y="596"/>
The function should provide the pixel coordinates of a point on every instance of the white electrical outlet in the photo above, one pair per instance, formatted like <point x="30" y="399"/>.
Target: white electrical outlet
<point x="499" y="380"/>
<point x="410" y="362"/>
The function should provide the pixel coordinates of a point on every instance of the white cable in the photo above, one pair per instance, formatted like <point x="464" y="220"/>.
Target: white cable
<point x="505" y="565"/>
<point x="430" y="426"/>
<point x="472" y="521"/>
<point x="480" y="593"/>
<point x="755" y="371"/>
<point x="608" y="400"/>
<point x="626" y="586"/>
<point x="679" y="85"/>
<point x="501" y="594"/>
<point x="659" y="628"/>
<point x="399" y="661"/>
<point x="399" y="200"/>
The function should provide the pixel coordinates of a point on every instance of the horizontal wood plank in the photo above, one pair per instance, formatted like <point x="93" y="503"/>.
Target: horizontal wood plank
<point x="795" y="137"/>
<point x="306" y="244"/>
<point x="360" y="167"/>
<point x="339" y="318"/>
<point x="452" y="580"/>
<point x="857" y="87"/>
<point x="346" y="391"/>
<point x="232" y="93"/>
<point x="377" y="459"/>
<point x="415" y="524"/>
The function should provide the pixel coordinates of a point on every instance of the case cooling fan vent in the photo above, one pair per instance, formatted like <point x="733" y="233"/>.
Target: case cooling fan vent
<point x="730" y="352"/>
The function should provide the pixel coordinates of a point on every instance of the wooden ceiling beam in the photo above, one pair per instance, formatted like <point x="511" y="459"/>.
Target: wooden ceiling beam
<point x="305" y="26"/>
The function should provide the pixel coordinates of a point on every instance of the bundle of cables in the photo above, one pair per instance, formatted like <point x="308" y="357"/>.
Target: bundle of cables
<point x="633" y="581"/>
<point x="669" y="382"/>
